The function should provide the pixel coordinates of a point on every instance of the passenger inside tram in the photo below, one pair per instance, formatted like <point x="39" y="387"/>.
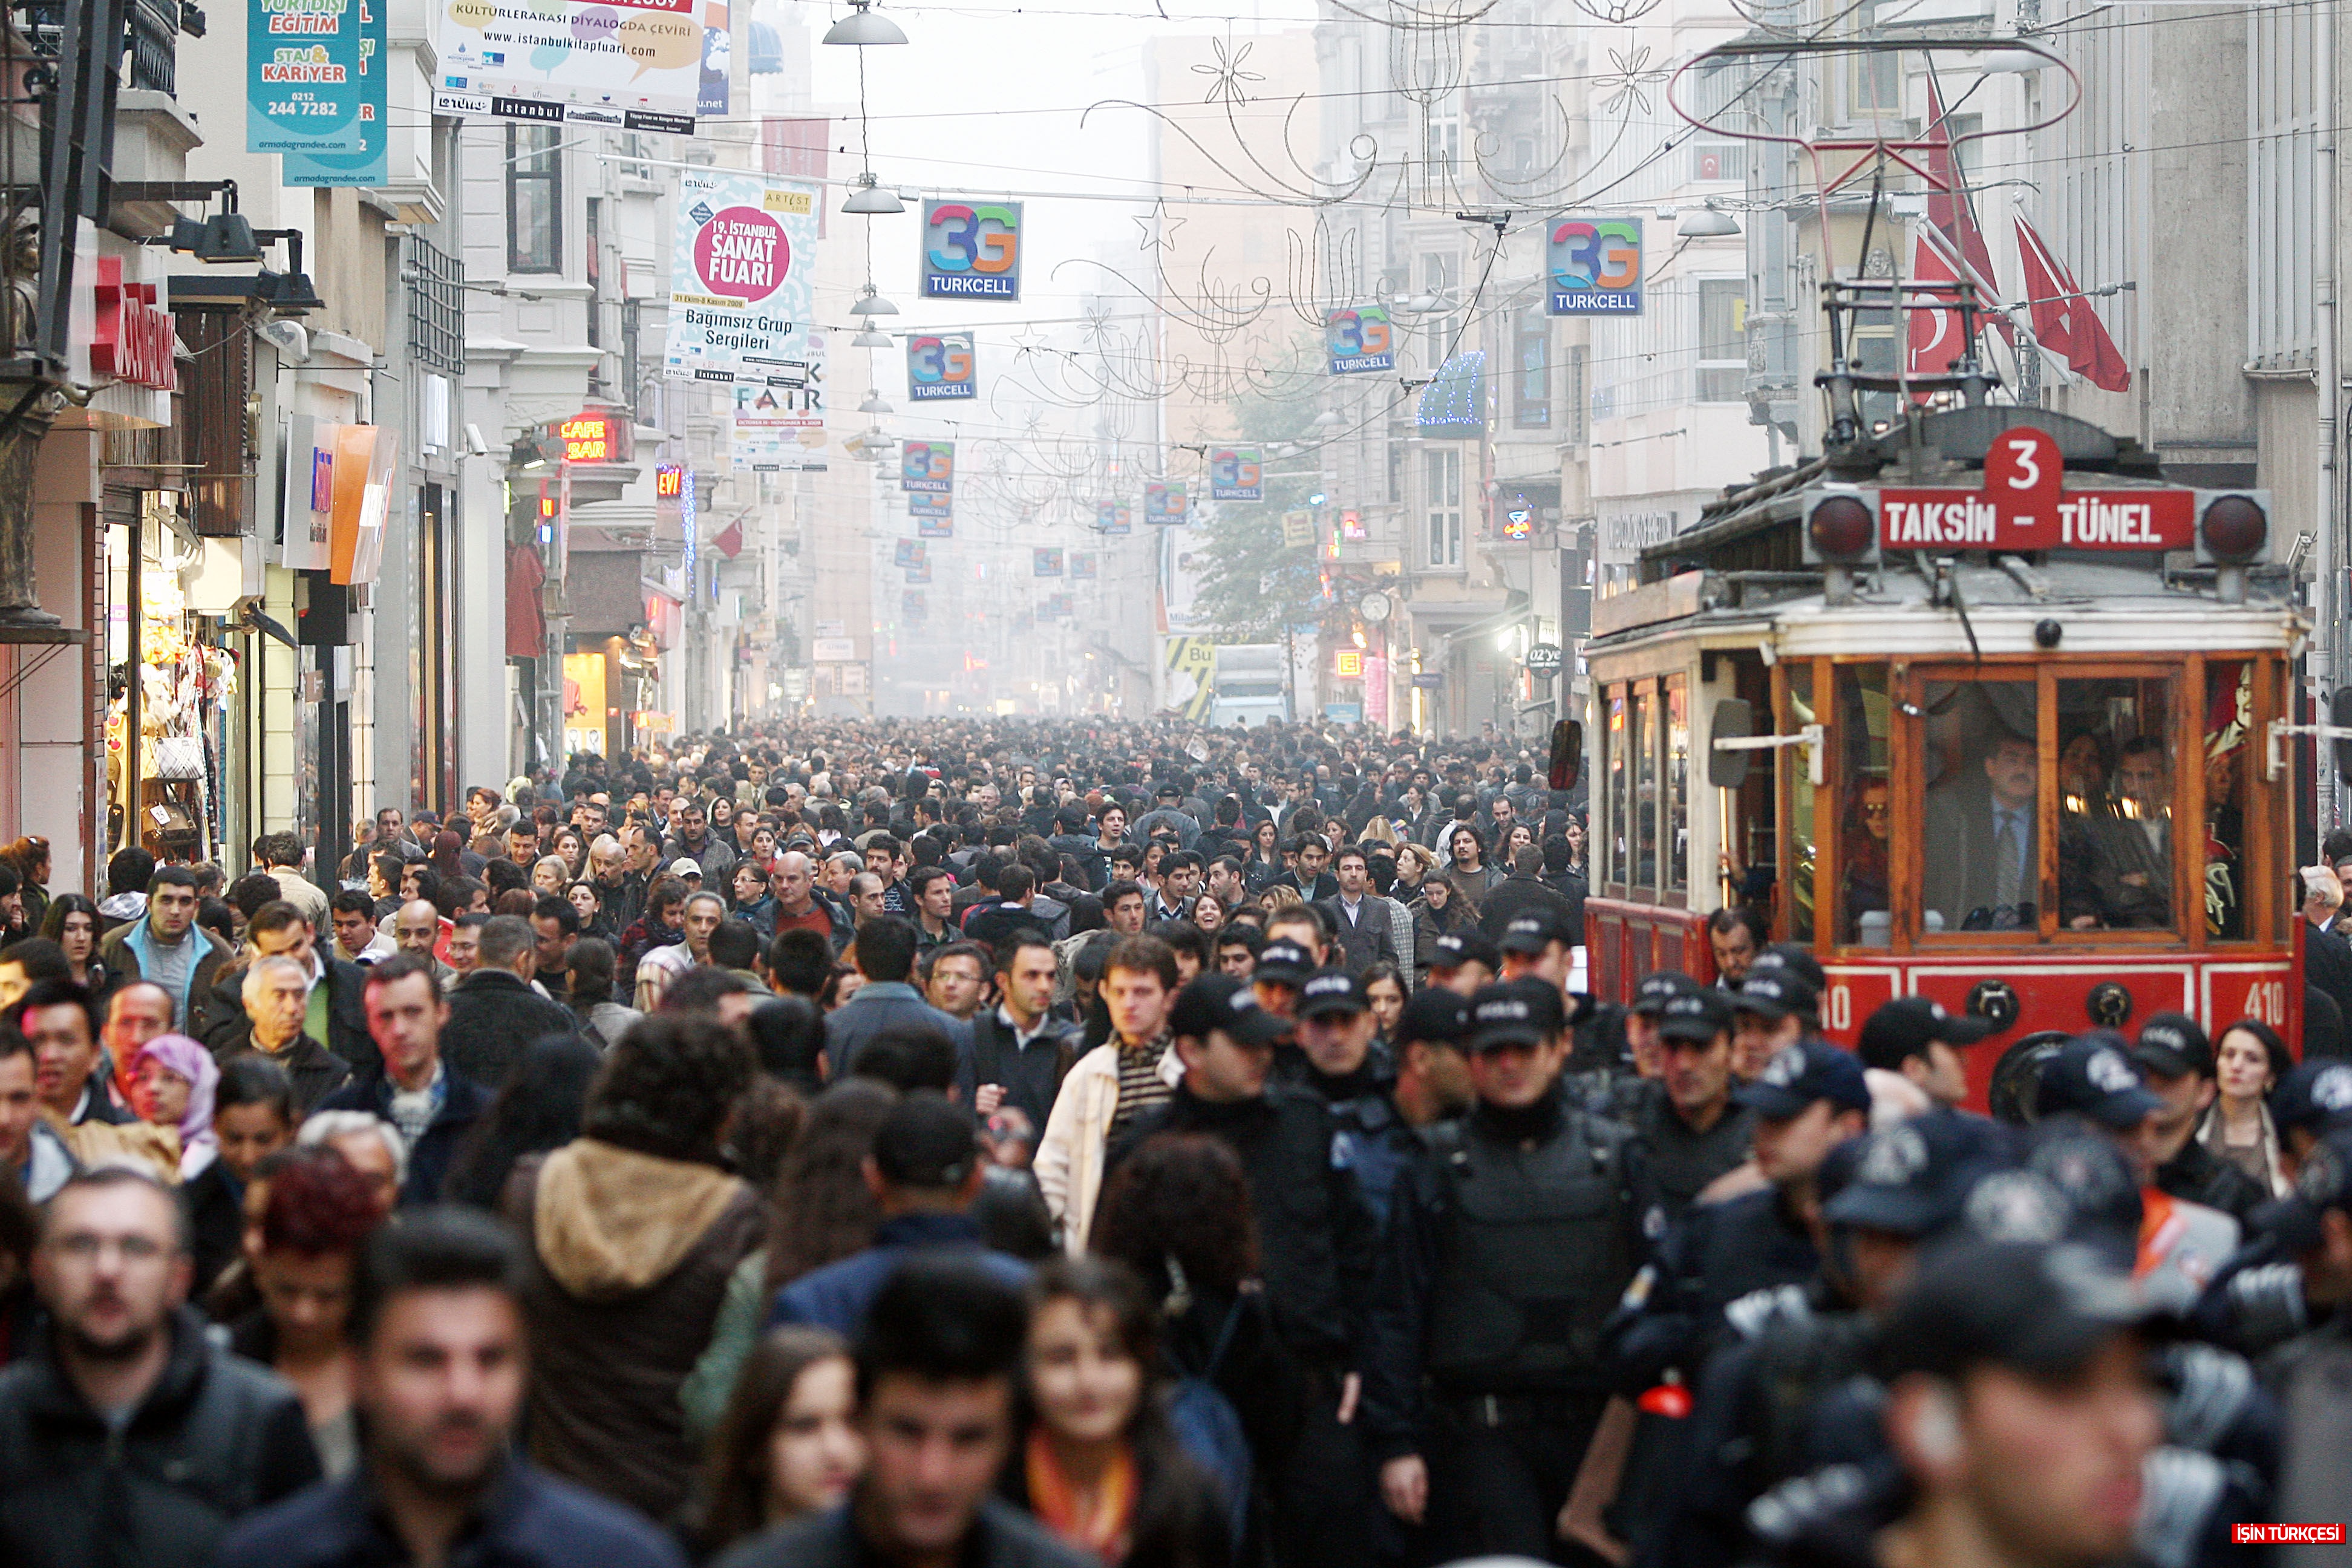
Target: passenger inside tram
<point x="1981" y="819"/>
<point x="1862" y="845"/>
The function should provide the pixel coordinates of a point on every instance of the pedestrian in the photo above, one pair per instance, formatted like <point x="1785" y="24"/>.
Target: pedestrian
<point x="331" y="1013"/>
<point x="2177" y="1063"/>
<point x="537" y="1109"/>
<point x="2250" y="1060"/>
<point x="789" y="1445"/>
<point x="494" y="1012"/>
<point x="431" y="1108"/>
<point x="317" y="1214"/>
<point x="925" y="1172"/>
<point x="275" y="992"/>
<point x="633" y="1230"/>
<point x="1100" y="1465"/>
<point x="885" y="955"/>
<point x="253" y="1118"/>
<point x="1112" y="1087"/>
<point x="440" y="1355"/>
<point x="161" y="941"/>
<point x="1021" y="1053"/>
<point x="74" y="923"/>
<point x="128" y="1438"/>
<point x="177" y="1079"/>
<point x="937" y="1370"/>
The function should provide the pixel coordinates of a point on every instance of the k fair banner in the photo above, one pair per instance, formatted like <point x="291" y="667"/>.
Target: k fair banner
<point x="741" y="292"/>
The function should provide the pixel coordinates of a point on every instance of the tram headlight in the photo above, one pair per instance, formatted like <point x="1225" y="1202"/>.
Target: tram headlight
<point x="2232" y="528"/>
<point x="1840" y="529"/>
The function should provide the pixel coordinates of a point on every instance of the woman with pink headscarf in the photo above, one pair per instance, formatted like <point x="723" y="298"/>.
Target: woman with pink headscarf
<point x="176" y="1079"/>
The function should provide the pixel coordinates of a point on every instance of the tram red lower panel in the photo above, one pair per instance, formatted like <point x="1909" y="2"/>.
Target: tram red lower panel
<point x="2051" y="989"/>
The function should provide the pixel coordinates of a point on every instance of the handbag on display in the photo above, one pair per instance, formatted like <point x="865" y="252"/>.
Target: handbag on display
<point x="179" y="757"/>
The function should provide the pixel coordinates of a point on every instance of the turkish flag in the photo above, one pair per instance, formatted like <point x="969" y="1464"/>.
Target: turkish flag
<point x="2063" y="320"/>
<point x="1934" y="329"/>
<point x="728" y="541"/>
<point x="1954" y="216"/>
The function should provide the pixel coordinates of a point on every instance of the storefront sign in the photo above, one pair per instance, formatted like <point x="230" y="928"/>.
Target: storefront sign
<point x="1298" y="530"/>
<point x="1347" y="664"/>
<point x="132" y="340"/>
<point x="939" y="367"/>
<point x="302" y="76"/>
<point x="972" y="252"/>
<point x="740" y="308"/>
<point x="365" y="164"/>
<point x="1235" y="474"/>
<point x="834" y="650"/>
<point x="634" y="64"/>
<point x="669" y="481"/>
<point x="595" y="437"/>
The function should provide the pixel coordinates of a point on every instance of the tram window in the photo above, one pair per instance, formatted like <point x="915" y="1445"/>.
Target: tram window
<point x="1980" y="860"/>
<point x="2115" y="829"/>
<point x="1796" y="772"/>
<point x="2229" y="739"/>
<point x="1866" y="806"/>
<point x="1618" y="816"/>
<point x="1645" y="790"/>
<point x="1677" y="784"/>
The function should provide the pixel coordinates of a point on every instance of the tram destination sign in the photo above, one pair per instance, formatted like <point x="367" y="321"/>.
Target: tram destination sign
<point x="2024" y="505"/>
<point x="2075" y="520"/>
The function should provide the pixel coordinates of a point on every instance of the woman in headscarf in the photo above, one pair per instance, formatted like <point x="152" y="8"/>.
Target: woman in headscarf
<point x="176" y="1077"/>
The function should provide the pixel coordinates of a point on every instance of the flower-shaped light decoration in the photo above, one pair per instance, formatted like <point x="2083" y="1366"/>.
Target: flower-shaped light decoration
<point x="1228" y="82"/>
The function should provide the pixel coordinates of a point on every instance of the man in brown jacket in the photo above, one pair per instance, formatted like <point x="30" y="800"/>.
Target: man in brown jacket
<point x="634" y="1228"/>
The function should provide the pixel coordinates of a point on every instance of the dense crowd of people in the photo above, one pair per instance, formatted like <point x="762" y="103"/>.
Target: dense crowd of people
<point x="1027" y="1145"/>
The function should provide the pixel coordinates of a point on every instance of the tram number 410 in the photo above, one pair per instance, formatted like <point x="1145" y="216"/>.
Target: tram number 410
<point x="2266" y="1001"/>
<point x="1837" y="1008"/>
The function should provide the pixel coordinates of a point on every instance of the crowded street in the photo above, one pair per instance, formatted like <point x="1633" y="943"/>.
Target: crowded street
<point x="1164" y="783"/>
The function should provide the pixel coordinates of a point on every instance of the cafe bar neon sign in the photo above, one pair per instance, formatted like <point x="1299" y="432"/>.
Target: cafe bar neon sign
<point x="590" y="438"/>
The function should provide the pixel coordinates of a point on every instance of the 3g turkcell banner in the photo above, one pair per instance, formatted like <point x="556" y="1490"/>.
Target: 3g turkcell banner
<point x="634" y="64"/>
<point x="939" y="366"/>
<point x="1360" y="339"/>
<point x="1235" y="474"/>
<point x="365" y="165"/>
<point x="927" y="466"/>
<point x="1165" y="505"/>
<point x="1596" y="266"/>
<point x="971" y="250"/>
<point x="305" y="86"/>
<point x="740" y="296"/>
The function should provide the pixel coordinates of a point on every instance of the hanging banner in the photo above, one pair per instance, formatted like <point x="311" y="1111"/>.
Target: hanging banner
<point x="920" y="572"/>
<point x="304" y="89"/>
<point x="1046" y="563"/>
<point x="972" y="252"/>
<point x="307" y="524"/>
<point x="781" y="429"/>
<point x="1164" y="505"/>
<point x="1082" y="565"/>
<point x="1360" y="339"/>
<point x="740" y="299"/>
<point x="366" y="165"/>
<point x="1112" y="518"/>
<point x="939" y="366"/>
<point x="1235" y="474"/>
<point x="919" y="505"/>
<point x="929" y="467"/>
<point x="1596" y="266"/>
<point x="1056" y="607"/>
<point x="631" y="65"/>
<point x="940" y="527"/>
<point x="908" y="551"/>
<point x="914" y="605"/>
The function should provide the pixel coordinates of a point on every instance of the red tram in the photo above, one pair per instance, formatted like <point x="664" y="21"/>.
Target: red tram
<point x="1979" y="708"/>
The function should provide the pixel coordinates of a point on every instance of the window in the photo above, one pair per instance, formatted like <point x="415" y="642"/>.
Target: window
<point x="1444" y="476"/>
<point x="1613" y="837"/>
<point x="1797" y="778"/>
<point x="1396" y="471"/>
<point x="1677" y="784"/>
<point x="1531" y="373"/>
<point x="1646" y="790"/>
<point x="534" y="198"/>
<point x="2228" y="740"/>
<point x="2116" y="771"/>
<point x="1866" y="827"/>
<point x="1981" y="769"/>
<point x="1722" y="339"/>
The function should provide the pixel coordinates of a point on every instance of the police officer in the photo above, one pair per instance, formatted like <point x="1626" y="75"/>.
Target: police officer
<point x="1690" y="1130"/>
<point x="1335" y="1033"/>
<point x="1810" y="1099"/>
<point x="2312" y="1100"/>
<point x="1431" y="1044"/>
<point x="1462" y="962"/>
<point x="1505" y="1252"/>
<point x="1650" y="998"/>
<point x="1772" y="1009"/>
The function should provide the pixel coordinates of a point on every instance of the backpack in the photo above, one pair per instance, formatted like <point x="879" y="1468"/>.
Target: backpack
<point x="1211" y="1430"/>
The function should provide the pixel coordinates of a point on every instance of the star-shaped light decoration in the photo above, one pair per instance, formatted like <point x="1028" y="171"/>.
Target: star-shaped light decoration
<point x="1157" y="227"/>
<point x="1228" y="82"/>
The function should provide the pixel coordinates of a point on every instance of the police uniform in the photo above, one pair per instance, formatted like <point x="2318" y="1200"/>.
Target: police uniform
<point x="1368" y="1137"/>
<point x="1507" y="1251"/>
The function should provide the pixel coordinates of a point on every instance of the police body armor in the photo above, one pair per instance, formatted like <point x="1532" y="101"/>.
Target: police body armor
<point x="1362" y="1140"/>
<point x="1535" y="1249"/>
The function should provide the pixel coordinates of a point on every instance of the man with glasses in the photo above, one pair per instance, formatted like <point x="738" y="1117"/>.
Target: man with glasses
<point x="134" y="1430"/>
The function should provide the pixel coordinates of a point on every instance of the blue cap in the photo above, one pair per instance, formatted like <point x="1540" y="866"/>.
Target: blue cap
<point x="2093" y="1075"/>
<point x="1810" y="1070"/>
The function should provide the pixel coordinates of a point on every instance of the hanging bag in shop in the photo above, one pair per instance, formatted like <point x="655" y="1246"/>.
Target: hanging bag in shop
<point x="179" y="757"/>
